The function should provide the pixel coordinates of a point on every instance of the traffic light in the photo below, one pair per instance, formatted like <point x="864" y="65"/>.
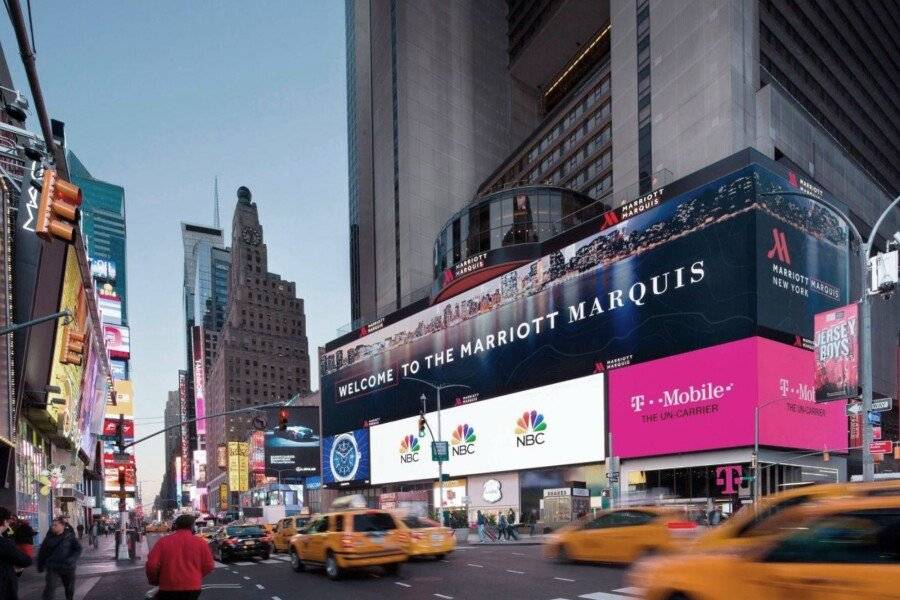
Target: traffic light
<point x="58" y="208"/>
<point x="121" y="476"/>
<point x="421" y="425"/>
<point x="120" y="435"/>
<point x="72" y="351"/>
<point x="283" y="419"/>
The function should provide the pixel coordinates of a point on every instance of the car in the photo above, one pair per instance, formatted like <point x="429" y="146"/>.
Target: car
<point x="297" y="434"/>
<point x="836" y="549"/>
<point x="350" y="539"/>
<point x="240" y="541"/>
<point x="284" y="530"/>
<point x="751" y="523"/>
<point x="207" y="533"/>
<point x="426" y="537"/>
<point x="622" y="535"/>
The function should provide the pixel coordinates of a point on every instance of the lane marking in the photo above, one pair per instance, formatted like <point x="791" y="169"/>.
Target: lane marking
<point x="280" y="557"/>
<point x="275" y="598"/>
<point x="235" y="572"/>
<point x="245" y="577"/>
<point x="563" y="579"/>
<point x="401" y="584"/>
<point x="518" y="554"/>
<point x="445" y="597"/>
<point x="634" y="591"/>
<point x="474" y="565"/>
<point x="245" y="563"/>
<point x="603" y="596"/>
<point x="271" y="561"/>
<point x="260" y="587"/>
<point x="445" y="560"/>
<point x="516" y="572"/>
<point x="221" y="586"/>
<point x="84" y="587"/>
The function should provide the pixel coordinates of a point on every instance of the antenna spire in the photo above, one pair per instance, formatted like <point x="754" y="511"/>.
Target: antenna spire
<point x="216" y="205"/>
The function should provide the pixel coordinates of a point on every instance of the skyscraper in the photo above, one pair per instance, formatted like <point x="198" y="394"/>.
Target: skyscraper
<point x="262" y="354"/>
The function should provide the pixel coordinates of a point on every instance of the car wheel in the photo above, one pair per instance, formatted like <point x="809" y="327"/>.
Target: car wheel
<point x="332" y="570"/>
<point x="296" y="563"/>
<point x="562" y="555"/>
<point x="392" y="569"/>
<point x="678" y="596"/>
<point x="440" y="556"/>
<point x="223" y="558"/>
<point x="266" y="556"/>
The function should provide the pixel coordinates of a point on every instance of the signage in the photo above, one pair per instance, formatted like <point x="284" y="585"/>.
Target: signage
<point x="706" y="399"/>
<point x="185" y="437"/>
<point x="581" y="492"/>
<point x="883" y="269"/>
<point x="557" y="492"/>
<point x="118" y="340"/>
<point x="238" y="466"/>
<point x="709" y="266"/>
<point x="104" y="270"/>
<point x="492" y="491"/>
<point x="837" y="354"/>
<point x="454" y="493"/>
<point x="178" y="479"/>
<point x="876" y="432"/>
<point x="882" y="405"/>
<point x="345" y="457"/>
<point x="110" y="424"/>
<point x="199" y="378"/>
<point x="222" y="456"/>
<point x="881" y="447"/>
<point x="124" y="398"/>
<point x="223" y="495"/>
<point x="440" y="451"/>
<point x="293" y="452"/>
<point x="110" y="309"/>
<point x="258" y="452"/>
<point x="542" y="427"/>
<point x="854" y="408"/>
<point x="119" y="369"/>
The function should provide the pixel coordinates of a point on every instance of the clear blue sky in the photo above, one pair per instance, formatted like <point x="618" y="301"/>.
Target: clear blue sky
<point x="159" y="97"/>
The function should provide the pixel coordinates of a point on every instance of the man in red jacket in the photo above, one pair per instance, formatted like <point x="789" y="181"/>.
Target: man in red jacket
<point x="179" y="562"/>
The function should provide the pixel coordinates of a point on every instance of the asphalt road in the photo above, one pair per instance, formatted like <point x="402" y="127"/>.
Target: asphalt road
<point x="469" y="573"/>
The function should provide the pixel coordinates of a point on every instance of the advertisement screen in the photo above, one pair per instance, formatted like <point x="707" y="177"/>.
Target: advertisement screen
<point x="111" y="473"/>
<point x="258" y="452"/>
<point x="199" y="378"/>
<point x="118" y="340"/>
<point x="185" y="439"/>
<point x="454" y="493"/>
<point x="837" y="354"/>
<point x="110" y="424"/>
<point x="345" y="457"/>
<point x="238" y="466"/>
<point x="119" y="369"/>
<point x="293" y="453"/>
<point x="706" y="400"/>
<point x="104" y="270"/>
<point x="110" y="309"/>
<point x="124" y="398"/>
<point x="559" y="424"/>
<point x="695" y="270"/>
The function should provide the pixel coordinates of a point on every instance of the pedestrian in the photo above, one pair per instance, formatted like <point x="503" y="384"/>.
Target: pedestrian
<point x="58" y="554"/>
<point x="481" y="522"/>
<point x="178" y="563"/>
<point x="23" y="538"/>
<point x="80" y="531"/>
<point x="11" y="558"/>
<point x="533" y="522"/>
<point x="94" y="538"/>
<point x="502" y="527"/>
<point x="511" y="518"/>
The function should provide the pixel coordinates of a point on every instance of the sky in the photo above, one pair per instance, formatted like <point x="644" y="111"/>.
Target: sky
<point x="160" y="98"/>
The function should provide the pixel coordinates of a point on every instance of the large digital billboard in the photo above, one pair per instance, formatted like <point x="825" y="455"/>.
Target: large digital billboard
<point x="559" y="424"/>
<point x="199" y="378"/>
<point x="706" y="399"/>
<point x="837" y="354"/>
<point x="293" y="453"/>
<point x="345" y="457"/>
<point x="673" y="274"/>
<point x="118" y="340"/>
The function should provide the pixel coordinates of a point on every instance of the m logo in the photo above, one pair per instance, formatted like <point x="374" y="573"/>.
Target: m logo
<point x="780" y="247"/>
<point x="448" y="276"/>
<point x="610" y="218"/>
<point x="728" y="478"/>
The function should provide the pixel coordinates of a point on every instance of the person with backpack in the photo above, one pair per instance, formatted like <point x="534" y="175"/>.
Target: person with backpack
<point x="58" y="555"/>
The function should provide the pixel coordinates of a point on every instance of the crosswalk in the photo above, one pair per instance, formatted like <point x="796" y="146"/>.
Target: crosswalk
<point x="625" y="593"/>
<point x="275" y="559"/>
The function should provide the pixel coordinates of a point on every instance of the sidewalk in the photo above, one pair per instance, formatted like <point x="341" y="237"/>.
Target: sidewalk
<point x="491" y="539"/>
<point x="93" y="564"/>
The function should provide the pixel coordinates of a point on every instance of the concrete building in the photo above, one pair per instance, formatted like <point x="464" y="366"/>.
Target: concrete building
<point x="262" y="354"/>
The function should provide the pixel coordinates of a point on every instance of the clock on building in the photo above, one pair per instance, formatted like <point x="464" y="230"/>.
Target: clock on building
<point x="344" y="457"/>
<point x="251" y="235"/>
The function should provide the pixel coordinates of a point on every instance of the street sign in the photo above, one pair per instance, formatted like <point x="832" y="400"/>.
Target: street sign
<point x="882" y="447"/>
<point x="122" y="457"/>
<point x="876" y="433"/>
<point x="882" y="405"/>
<point x="854" y="408"/>
<point x="874" y="418"/>
<point x="440" y="451"/>
<point x="613" y="476"/>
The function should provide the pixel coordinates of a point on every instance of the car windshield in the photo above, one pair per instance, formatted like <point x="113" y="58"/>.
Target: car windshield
<point x="375" y="521"/>
<point x="418" y="523"/>
<point x="249" y="531"/>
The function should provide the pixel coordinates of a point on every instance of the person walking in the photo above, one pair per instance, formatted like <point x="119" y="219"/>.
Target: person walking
<point x="502" y="527"/>
<point x="58" y="554"/>
<point x="481" y="522"/>
<point x="94" y="535"/>
<point x="532" y="521"/>
<point x="80" y="532"/>
<point x="179" y="562"/>
<point x="11" y="559"/>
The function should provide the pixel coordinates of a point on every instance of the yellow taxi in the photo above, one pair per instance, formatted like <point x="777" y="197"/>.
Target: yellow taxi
<point x="830" y="550"/>
<point x="622" y="535"/>
<point x="426" y="537"/>
<point x="284" y="530"/>
<point x="750" y="524"/>
<point x="350" y="539"/>
<point x="207" y="533"/>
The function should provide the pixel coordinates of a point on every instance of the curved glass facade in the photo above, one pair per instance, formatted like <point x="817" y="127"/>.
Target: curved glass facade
<point x="521" y="215"/>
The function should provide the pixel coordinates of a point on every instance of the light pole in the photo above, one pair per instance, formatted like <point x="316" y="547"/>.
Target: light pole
<point x="437" y="389"/>
<point x="757" y="488"/>
<point x="865" y="317"/>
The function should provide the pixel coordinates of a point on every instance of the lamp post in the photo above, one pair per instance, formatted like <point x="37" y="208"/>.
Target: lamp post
<point x="865" y="316"/>
<point x="757" y="488"/>
<point x="437" y="389"/>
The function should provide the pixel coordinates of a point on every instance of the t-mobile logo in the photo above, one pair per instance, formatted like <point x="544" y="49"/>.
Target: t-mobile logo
<point x="780" y="248"/>
<point x="637" y="403"/>
<point x="728" y="478"/>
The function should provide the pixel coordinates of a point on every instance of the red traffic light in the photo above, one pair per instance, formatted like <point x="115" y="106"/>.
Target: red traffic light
<point x="283" y="419"/>
<point x="57" y="208"/>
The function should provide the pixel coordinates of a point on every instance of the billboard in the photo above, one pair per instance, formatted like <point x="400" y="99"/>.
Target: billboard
<point x="837" y="354"/>
<point x="706" y="399"/>
<point x="258" y="452"/>
<point x="694" y="270"/>
<point x="559" y="424"/>
<point x="345" y="457"/>
<point x="119" y="369"/>
<point x="124" y="398"/>
<point x="111" y="473"/>
<point x="293" y="453"/>
<point x="110" y="424"/>
<point x="199" y="378"/>
<point x="185" y="439"/>
<point x="118" y="340"/>
<point x="238" y="466"/>
<point x="110" y="309"/>
<point x="104" y="270"/>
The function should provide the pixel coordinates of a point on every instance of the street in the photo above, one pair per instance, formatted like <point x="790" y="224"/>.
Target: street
<point x="515" y="571"/>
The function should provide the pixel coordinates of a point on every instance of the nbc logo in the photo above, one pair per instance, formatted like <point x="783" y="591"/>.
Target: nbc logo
<point x="530" y="428"/>
<point x="409" y="449"/>
<point x="463" y="440"/>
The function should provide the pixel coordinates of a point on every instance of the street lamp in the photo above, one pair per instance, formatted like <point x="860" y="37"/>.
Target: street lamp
<point x="865" y="312"/>
<point x="437" y="389"/>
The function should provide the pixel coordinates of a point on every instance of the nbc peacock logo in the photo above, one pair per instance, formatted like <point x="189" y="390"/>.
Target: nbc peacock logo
<point x="530" y="429"/>
<point x="463" y="440"/>
<point x="409" y="449"/>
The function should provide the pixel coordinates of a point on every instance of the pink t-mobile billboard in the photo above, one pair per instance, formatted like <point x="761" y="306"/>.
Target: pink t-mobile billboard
<point x="704" y="400"/>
